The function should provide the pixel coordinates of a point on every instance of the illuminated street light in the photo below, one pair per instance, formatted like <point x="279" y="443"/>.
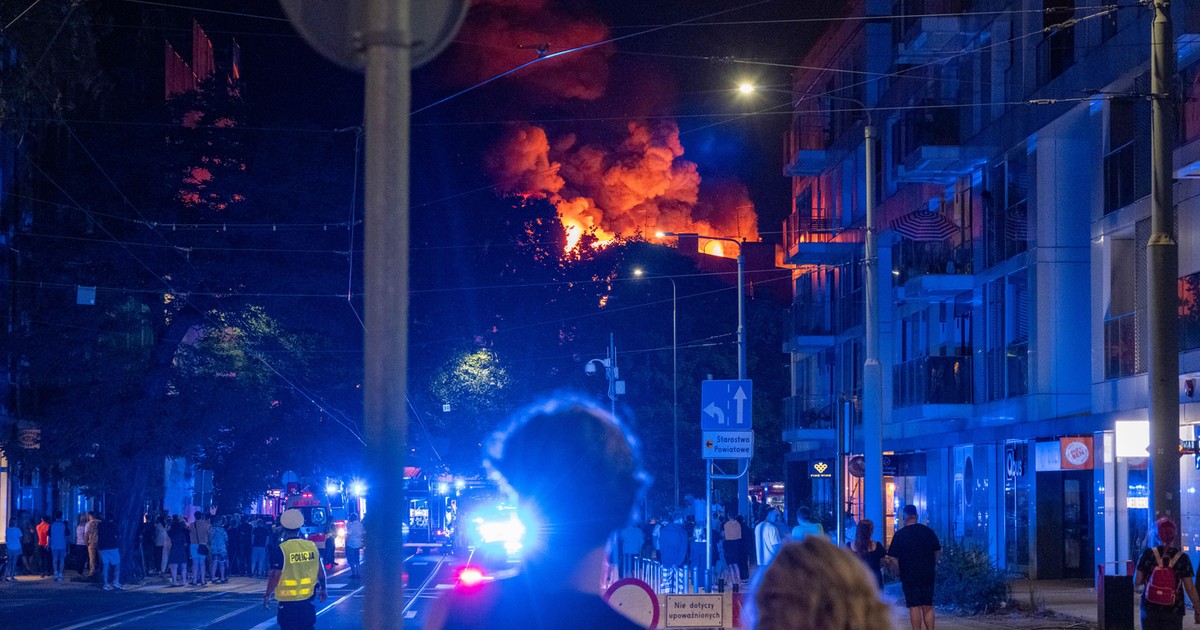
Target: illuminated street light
<point x="746" y="88"/>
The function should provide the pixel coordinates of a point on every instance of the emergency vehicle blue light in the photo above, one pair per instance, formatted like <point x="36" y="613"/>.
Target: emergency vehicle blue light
<point x="331" y="488"/>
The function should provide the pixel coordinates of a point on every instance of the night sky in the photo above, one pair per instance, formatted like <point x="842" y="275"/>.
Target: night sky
<point x="681" y="73"/>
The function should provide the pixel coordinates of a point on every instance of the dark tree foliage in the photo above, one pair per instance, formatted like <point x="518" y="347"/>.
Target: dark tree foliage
<point x="223" y="327"/>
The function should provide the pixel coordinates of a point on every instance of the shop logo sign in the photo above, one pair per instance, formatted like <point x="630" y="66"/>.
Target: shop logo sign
<point x="821" y="467"/>
<point x="1076" y="452"/>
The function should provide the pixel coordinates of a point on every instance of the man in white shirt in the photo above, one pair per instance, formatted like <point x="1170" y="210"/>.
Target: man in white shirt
<point x="354" y="543"/>
<point x="767" y="539"/>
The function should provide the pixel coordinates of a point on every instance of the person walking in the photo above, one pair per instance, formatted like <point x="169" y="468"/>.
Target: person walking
<point x="43" y="545"/>
<point x="354" y="542"/>
<point x="234" y="546"/>
<point x="297" y="576"/>
<point x="57" y="533"/>
<point x="93" y="545"/>
<point x="12" y="540"/>
<point x="218" y="549"/>
<point x="245" y="530"/>
<point x="732" y="529"/>
<point x="1167" y="574"/>
<point x="160" y="544"/>
<point x="198" y="543"/>
<point x="110" y="553"/>
<point x="916" y="551"/>
<point x="177" y="554"/>
<point x="538" y="456"/>
<point x="766" y="539"/>
<point x="81" y="544"/>
<point x="805" y="525"/>
<point x="813" y="585"/>
<point x="870" y="552"/>
<point x="673" y="545"/>
<point x="258" y="549"/>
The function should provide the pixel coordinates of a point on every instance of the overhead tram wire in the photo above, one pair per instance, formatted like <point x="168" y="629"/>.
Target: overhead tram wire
<point x="575" y="49"/>
<point x="905" y="72"/>
<point x="270" y="18"/>
<point x="19" y="16"/>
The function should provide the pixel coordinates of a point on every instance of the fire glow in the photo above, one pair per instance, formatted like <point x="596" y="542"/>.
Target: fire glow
<point x="640" y="186"/>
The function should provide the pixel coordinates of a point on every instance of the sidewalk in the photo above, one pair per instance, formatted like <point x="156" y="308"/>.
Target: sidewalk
<point x="1043" y="604"/>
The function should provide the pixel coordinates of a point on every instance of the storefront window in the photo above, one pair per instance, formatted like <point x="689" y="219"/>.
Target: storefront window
<point x="1016" y="507"/>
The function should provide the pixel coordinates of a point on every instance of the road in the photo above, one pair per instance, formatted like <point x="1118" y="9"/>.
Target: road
<point x="32" y="602"/>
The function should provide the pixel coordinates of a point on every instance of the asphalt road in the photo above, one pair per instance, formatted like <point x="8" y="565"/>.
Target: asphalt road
<point x="32" y="602"/>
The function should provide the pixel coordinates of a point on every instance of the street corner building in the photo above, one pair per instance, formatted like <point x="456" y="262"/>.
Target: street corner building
<point x="1011" y="175"/>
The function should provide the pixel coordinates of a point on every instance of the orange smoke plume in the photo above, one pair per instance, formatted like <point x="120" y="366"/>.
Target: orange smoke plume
<point x="641" y="186"/>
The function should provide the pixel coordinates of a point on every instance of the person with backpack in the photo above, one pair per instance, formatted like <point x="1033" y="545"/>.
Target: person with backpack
<point x="1166" y="573"/>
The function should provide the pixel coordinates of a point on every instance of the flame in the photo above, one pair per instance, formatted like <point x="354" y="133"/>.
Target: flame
<point x="715" y="248"/>
<point x="640" y="186"/>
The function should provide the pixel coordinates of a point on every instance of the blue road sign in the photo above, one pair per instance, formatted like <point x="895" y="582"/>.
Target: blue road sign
<point x="726" y="405"/>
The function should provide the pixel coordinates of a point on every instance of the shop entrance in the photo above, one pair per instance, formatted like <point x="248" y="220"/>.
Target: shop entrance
<point x="1065" y="538"/>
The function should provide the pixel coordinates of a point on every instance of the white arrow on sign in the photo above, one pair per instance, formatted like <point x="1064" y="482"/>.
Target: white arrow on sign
<point x="715" y="412"/>
<point x="740" y="397"/>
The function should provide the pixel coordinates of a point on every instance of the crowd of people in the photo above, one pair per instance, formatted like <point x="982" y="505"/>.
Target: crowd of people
<point x="205" y="550"/>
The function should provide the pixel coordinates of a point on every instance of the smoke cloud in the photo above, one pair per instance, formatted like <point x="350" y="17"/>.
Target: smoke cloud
<point x="641" y="185"/>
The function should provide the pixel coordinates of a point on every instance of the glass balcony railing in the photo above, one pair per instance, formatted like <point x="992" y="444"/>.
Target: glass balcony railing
<point x="811" y="318"/>
<point x="913" y="259"/>
<point x="1121" y="356"/>
<point x="932" y="381"/>
<point x="808" y="412"/>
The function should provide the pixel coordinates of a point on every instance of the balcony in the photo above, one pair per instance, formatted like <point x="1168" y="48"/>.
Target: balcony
<point x="812" y="236"/>
<point x="808" y="418"/>
<point x="928" y="29"/>
<point x="932" y="270"/>
<point x="811" y="326"/>
<point x="806" y="152"/>
<point x="928" y="146"/>
<point x="932" y="381"/>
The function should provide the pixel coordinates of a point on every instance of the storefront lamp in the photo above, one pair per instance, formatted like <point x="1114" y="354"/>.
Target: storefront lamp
<point x="1132" y="438"/>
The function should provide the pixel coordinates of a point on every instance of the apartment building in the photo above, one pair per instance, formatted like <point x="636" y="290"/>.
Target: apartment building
<point x="1012" y="174"/>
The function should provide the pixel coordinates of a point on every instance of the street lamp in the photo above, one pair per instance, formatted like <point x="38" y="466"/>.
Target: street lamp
<point x="743" y="481"/>
<point x="638" y="273"/>
<point x="615" y="387"/>
<point x="873" y="491"/>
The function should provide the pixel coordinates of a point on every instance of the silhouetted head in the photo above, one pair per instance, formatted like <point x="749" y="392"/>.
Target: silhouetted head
<point x="1166" y="530"/>
<point x="813" y="584"/>
<point x="574" y="469"/>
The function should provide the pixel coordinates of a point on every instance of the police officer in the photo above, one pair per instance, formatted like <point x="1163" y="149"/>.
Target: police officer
<point x="297" y="575"/>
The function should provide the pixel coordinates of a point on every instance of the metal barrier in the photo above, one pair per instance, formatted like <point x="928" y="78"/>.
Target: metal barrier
<point x="682" y="580"/>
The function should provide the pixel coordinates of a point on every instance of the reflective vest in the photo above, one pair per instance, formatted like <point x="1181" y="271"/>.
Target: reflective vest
<point x="301" y="565"/>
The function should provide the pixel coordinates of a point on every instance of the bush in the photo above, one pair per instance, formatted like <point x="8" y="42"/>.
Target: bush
<point x="968" y="580"/>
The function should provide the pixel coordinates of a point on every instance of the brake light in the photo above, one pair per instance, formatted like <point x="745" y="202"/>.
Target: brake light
<point x="470" y="576"/>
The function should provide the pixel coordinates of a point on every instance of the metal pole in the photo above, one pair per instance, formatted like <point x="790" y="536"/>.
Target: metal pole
<point x="708" y="526"/>
<point x="743" y="482"/>
<point x="839" y="475"/>
<point x="1162" y="274"/>
<point x="675" y="384"/>
<point x="388" y="92"/>
<point x="873" y="495"/>
<point x="612" y="375"/>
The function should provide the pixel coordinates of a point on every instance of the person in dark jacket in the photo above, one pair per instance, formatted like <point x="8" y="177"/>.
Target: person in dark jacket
<point x="538" y="457"/>
<point x="110" y="553"/>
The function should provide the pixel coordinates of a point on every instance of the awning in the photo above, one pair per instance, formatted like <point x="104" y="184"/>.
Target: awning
<point x="924" y="225"/>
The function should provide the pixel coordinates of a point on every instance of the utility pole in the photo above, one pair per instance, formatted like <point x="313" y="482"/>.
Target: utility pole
<point x="873" y="507"/>
<point x="1162" y="274"/>
<point x="743" y="480"/>
<point x="388" y="99"/>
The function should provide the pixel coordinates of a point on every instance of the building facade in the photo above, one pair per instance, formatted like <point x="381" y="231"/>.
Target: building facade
<point x="1012" y="174"/>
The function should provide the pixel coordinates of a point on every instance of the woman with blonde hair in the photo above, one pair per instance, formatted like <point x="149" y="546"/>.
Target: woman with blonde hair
<point x="813" y="585"/>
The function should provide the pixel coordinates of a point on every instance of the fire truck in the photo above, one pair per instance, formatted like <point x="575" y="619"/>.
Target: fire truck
<point x="432" y="508"/>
